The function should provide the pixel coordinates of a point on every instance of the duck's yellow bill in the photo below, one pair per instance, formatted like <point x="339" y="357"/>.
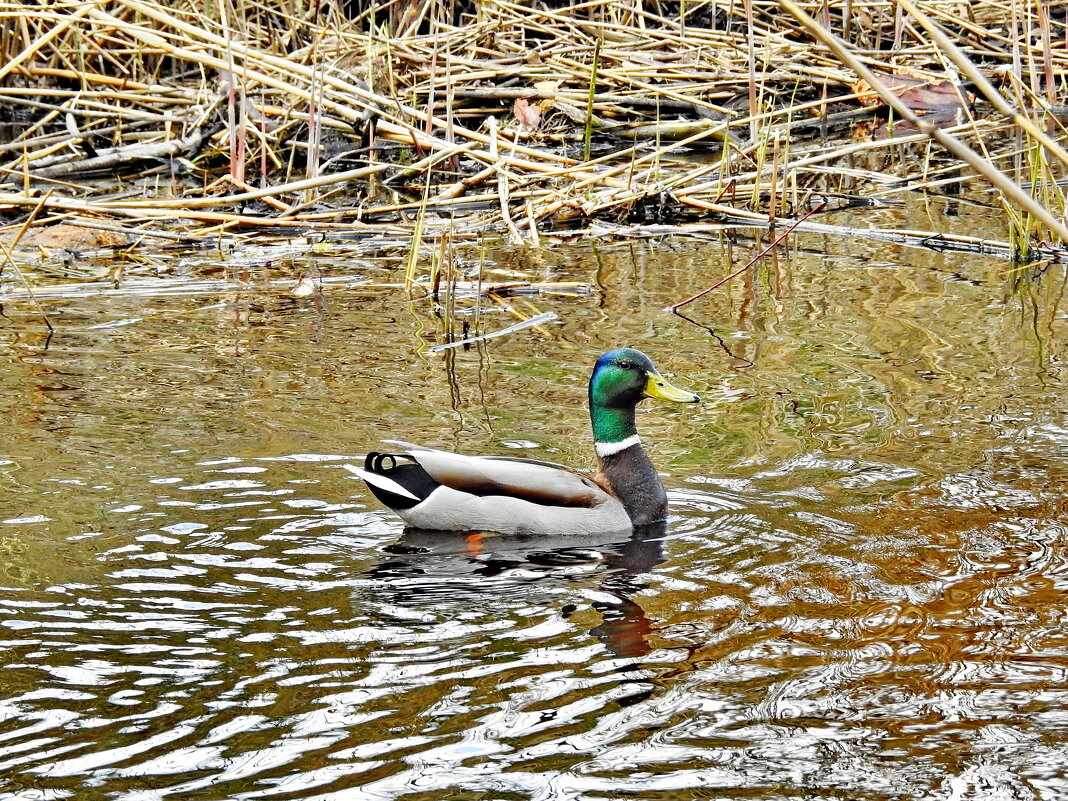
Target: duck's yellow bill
<point x="657" y="387"/>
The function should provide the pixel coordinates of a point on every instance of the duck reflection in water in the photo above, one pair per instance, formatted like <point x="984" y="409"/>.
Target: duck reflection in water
<point x="428" y="569"/>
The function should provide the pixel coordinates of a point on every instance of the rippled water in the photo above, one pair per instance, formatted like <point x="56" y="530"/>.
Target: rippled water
<point x="860" y="593"/>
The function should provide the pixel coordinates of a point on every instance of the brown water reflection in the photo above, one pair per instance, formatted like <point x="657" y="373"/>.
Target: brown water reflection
<point x="861" y="592"/>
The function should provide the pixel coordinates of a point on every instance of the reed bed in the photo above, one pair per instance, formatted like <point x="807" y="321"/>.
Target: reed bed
<point x="519" y="116"/>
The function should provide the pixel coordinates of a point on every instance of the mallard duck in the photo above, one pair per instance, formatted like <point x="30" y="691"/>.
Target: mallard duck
<point x="441" y="490"/>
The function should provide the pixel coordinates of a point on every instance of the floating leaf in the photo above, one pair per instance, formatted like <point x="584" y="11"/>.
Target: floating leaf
<point x="547" y="88"/>
<point x="526" y="115"/>
<point x="919" y="93"/>
<point x="305" y="286"/>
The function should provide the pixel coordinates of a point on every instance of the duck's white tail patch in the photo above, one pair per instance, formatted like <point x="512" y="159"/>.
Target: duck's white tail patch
<point x="382" y="482"/>
<point x="612" y="448"/>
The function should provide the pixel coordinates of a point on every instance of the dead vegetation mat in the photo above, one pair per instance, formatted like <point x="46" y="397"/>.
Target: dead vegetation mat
<point x="520" y="116"/>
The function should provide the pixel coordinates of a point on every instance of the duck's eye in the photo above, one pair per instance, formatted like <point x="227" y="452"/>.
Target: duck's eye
<point x="625" y="365"/>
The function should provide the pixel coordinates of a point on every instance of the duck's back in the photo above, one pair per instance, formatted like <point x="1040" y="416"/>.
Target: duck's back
<point x="441" y="490"/>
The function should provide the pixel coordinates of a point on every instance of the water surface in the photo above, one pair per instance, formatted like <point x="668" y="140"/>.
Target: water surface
<point x="860" y="592"/>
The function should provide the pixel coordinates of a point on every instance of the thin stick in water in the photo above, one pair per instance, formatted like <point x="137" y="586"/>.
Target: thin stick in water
<point x="528" y="323"/>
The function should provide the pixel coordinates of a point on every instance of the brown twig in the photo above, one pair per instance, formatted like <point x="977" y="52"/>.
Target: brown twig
<point x="675" y="307"/>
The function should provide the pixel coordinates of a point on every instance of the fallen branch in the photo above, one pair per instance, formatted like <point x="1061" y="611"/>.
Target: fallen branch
<point x="114" y="157"/>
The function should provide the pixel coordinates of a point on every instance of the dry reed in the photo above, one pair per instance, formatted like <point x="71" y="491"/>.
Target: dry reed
<point x="509" y="115"/>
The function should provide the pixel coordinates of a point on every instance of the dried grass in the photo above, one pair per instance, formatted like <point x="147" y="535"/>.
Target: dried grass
<point x="311" y="116"/>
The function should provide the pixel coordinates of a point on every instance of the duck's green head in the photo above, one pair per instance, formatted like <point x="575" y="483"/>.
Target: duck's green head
<point x="622" y="378"/>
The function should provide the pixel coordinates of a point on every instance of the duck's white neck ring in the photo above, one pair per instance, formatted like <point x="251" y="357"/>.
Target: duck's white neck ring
<point x="612" y="448"/>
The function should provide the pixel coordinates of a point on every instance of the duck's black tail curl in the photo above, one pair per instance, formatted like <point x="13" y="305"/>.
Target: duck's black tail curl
<point x="403" y="470"/>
